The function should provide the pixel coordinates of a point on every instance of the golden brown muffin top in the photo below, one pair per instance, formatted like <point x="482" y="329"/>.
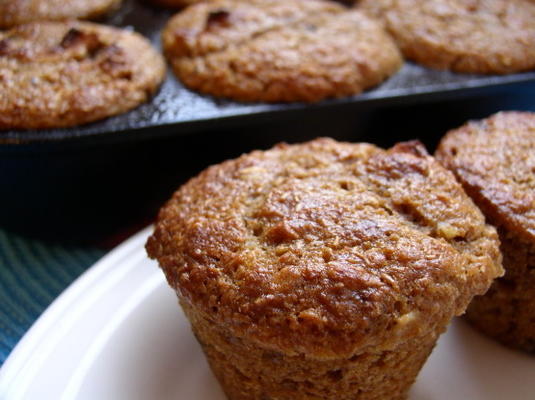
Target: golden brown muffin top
<point x="58" y="74"/>
<point x="17" y="12"/>
<point x="325" y="248"/>
<point x="175" y="3"/>
<point x="495" y="161"/>
<point x="278" y="51"/>
<point x="474" y="36"/>
<point x="214" y="26"/>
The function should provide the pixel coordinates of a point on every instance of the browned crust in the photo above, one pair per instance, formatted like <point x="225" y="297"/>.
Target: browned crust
<point x="326" y="248"/>
<point x="272" y="51"/>
<point x="507" y="311"/>
<point x="474" y="36"/>
<point x="17" y="12"/>
<point x="495" y="161"/>
<point x="59" y="74"/>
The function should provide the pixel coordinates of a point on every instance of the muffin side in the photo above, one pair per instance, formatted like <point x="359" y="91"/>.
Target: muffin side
<point x="249" y="371"/>
<point x="506" y="312"/>
<point x="494" y="159"/>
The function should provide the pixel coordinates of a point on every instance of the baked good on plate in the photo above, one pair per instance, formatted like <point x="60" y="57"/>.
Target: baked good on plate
<point x="323" y="270"/>
<point x="60" y="74"/>
<point x="278" y="51"/>
<point x="494" y="159"/>
<point x="473" y="36"/>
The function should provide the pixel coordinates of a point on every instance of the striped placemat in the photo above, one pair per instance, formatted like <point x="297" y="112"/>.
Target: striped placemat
<point x="32" y="275"/>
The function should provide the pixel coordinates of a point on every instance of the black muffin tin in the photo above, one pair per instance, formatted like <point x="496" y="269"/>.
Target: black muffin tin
<point x="176" y="110"/>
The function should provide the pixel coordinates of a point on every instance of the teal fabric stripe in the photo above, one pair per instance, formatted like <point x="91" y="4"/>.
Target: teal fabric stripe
<point x="32" y="275"/>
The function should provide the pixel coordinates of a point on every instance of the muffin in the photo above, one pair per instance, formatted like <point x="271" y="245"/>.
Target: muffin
<point x="494" y="159"/>
<point x="61" y="74"/>
<point x="17" y="12"/>
<point x="278" y="51"/>
<point x="323" y="270"/>
<point x="482" y="37"/>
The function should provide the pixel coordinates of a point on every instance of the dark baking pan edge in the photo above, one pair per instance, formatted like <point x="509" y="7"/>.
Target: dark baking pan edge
<point x="258" y="113"/>
<point x="176" y="110"/>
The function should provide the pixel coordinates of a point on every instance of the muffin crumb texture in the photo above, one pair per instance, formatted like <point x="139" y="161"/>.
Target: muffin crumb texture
<point x="495" y="161"/>
<point x="278" y="51"/>
<point x="323" y="270"/>
<point x="61" y="74"/>
<point x="470" y="36"/>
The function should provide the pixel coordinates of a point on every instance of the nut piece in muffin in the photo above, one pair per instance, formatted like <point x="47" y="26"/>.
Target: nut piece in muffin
<point x="278" y="51"/>
<point x="494" y="159"/>
<point x="472" y="36"/>
<point x="323" y="270"/>
<point x="17" y="12"/>
<point x="175" y="3"/>
<point x="60" y="74"/>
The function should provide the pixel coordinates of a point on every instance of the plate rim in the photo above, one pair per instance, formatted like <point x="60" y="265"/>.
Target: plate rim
<point x="22" y="356"/>
<point x="21" y="364"/>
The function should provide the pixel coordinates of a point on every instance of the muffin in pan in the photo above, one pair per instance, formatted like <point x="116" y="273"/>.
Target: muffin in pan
<point x="278" y="51"/>
<point x="17" y="12"/>
<point x="60" y="74"/>
<point x="494" y="159"/>
<point x="471" y="36"/>
<point x="323" y="270"/>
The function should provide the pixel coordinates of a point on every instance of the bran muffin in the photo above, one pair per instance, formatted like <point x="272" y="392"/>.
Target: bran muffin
<point x="472" y="36"/>
<point x="59" y="74"/>
<point x="323" y="270"/>
<point x="17" y="12"/>
<point x="273" y="51"/>
<point x="494" y="159"/>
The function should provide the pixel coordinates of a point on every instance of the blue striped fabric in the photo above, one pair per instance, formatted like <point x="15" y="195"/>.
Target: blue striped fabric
<point x="32" y="274"/>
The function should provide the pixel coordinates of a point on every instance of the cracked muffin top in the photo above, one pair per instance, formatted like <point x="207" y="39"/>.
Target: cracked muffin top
<point x="325" y="248"/>
<point x="17" y="12"/>
<point x="59" y="74"/>
<point x="278" y="51"/>
<point x="494" y="159"/>
<point x="474" y="36"/>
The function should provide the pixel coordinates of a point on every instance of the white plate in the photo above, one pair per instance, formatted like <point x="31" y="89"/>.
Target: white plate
<point x="118" y="333"/>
